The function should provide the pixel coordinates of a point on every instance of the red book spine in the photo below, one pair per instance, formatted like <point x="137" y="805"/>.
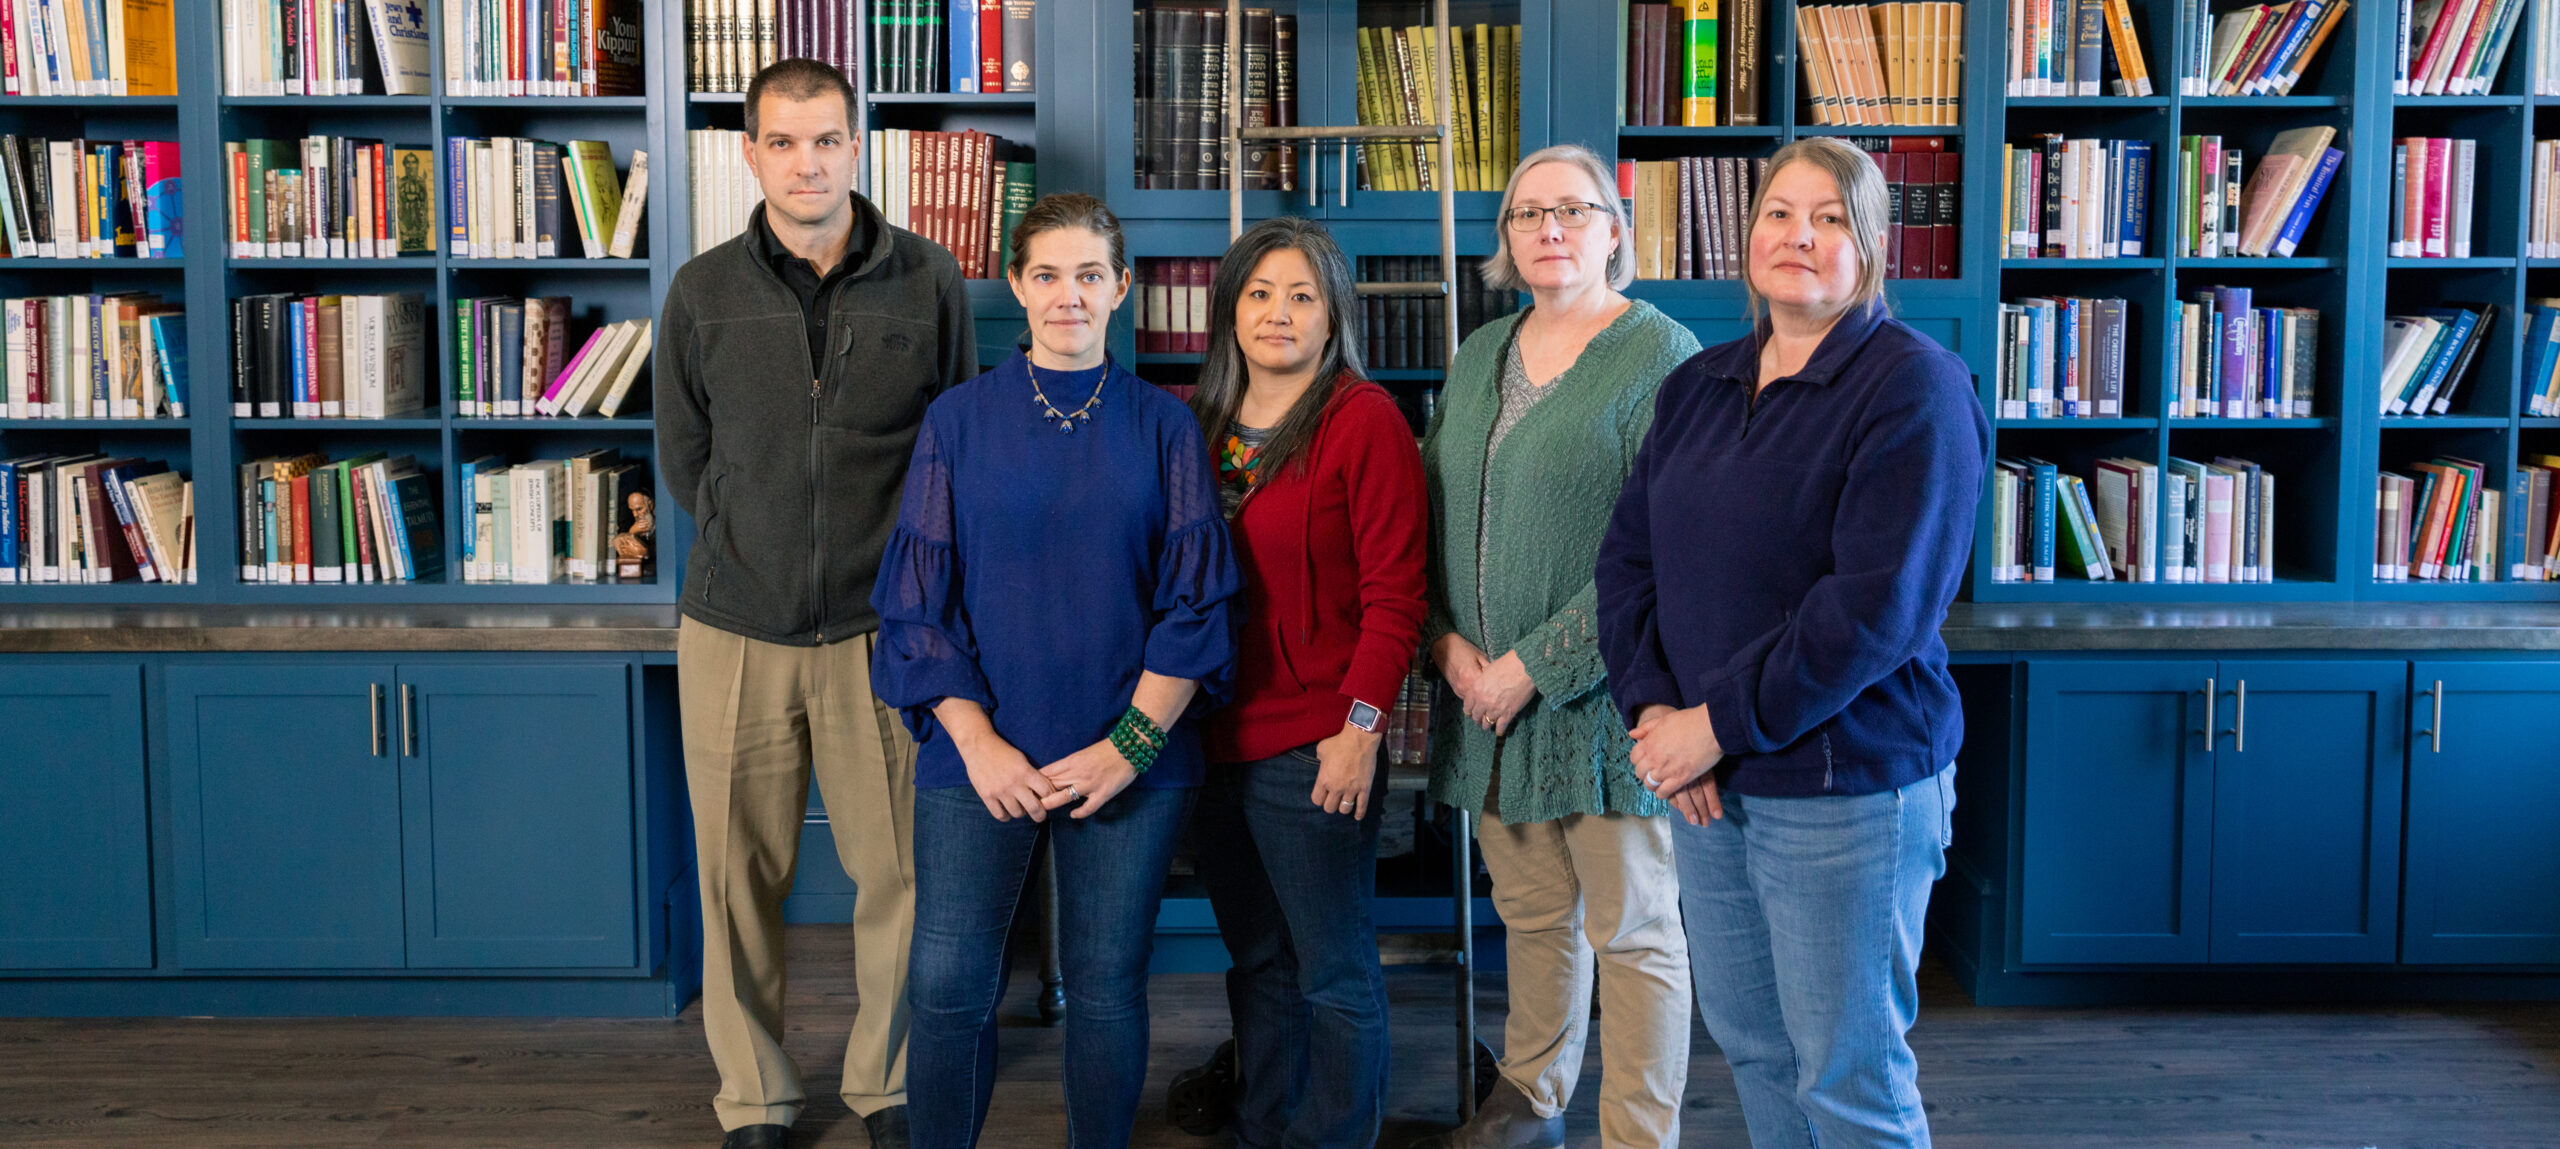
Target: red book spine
<point x="2439" y="171"/>
<point x="990" y="45"/>
<point x="1949" y="185"/>
<point x="37" y="389"/>
<point x="302" y="528"/>
<point x="1894" y="167"/>
<point x="9" y="48"/>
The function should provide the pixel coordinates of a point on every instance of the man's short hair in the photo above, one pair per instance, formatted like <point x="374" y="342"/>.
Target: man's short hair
<point x="798" y="78"/>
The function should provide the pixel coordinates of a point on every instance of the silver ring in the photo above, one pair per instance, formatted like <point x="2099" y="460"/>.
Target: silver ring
<point x="1072" y="792"/>
<point x="1650" y="782"/>
<point x="1346" y="807"/>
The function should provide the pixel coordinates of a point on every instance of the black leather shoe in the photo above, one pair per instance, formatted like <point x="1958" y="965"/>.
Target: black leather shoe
<point x="757" y="1137"/>
<point x="888" y="1127"/>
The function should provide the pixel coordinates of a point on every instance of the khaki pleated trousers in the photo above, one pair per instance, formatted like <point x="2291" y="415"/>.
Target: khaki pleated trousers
<point x="759" y="720"/>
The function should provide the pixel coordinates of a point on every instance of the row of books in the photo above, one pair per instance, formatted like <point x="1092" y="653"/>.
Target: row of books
<point x="366" y="518"/>
<point x="313" y="48"/>
<point x="2258" y="50"/>
<point x="1694" y="63"/>
<point x="963" y="190"/>
<point x="512" y="359"/>
<point x="95" y="357"/>
<point x="509" y="198"/>
<point x="1408" y="726"/>
<point x="941" y="45"/>
<point x="2452" y="47"/>
<point x="529" y="47"/>
<point x="2220" y="216"/>
<point x="2236" y="360"/>
<point x="88" y="48"/>
<point x="1400" y="83"/>
<point x="723" y="189"/>
<point x="2539" y="558"/>
<point x="2075" y="48"/>
<point x="1173" y="304"/>
<point x="587" y="518"/>
<point x="1880" y="64"/>
<point x="2431" y="191"/>
<point x="2542" y="360"/>
<point x="2134" y="521"/>
<point x="2427" y="357"/>
<point x="726" y="42"/>
<point x="1183" y="102"/>
<point x="90" y="199"/>
<point x="95" y="519"/>
<point x="2440" y="524"/>
<point x="328" y="356"/>
<point x="2542" y="211"/>
<point x="2076" y="199"/>
<point x="1691" y="214"/>
<point x="329" y="196"/>
<point x="1404" y="332"/>
<point x="2062" y="358"/>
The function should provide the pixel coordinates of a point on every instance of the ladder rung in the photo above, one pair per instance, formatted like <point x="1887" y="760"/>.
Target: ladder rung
<point x="1428" y="288"/>
<point x="1390" y="133"/>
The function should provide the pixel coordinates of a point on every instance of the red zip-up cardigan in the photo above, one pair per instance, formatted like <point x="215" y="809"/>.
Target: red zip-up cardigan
<point x="1331" y="548"/>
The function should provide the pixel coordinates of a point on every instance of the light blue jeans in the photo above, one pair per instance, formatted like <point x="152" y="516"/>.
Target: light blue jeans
<point x="1805" y="918"/>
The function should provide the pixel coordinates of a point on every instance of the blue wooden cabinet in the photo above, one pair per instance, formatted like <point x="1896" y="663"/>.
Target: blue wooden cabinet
<point x="2306" y="811"/>
<point x="285" y="803"/>
<point x="2117" y="854"/>
<point x="2483" y="881"/>
<point x="75" y="858"/>
<point x="2184" y="812"/>
<point x="516" y="804"/>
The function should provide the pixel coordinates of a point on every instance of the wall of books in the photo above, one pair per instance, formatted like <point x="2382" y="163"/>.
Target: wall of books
<point x="424" y="263"/>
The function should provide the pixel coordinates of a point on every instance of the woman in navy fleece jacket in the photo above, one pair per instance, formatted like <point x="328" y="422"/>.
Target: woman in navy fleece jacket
<point x="1770" y="592"/>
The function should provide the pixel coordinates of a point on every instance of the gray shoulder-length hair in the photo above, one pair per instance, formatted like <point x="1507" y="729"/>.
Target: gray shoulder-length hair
<point x="1501" y="273"/>
<point x="1862" y="202"/>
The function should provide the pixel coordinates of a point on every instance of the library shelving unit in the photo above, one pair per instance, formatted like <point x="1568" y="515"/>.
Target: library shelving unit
<point x="209" y="443"/>
<point x="1098" y="131"/>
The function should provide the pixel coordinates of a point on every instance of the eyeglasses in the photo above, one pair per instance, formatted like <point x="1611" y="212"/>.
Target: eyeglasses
<point x="1574" y="216"/>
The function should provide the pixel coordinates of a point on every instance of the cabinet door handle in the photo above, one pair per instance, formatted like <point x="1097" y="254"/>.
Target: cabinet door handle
<point x="2239" y="730"/>
<point x="2212" y="699"/>
<point x="2434" y="733"/>
<point x="374" y="712"/>
<point x="408" y="720"/>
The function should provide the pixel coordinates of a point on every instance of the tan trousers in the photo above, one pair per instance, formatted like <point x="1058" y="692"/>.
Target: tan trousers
<point x="1580" y="888"/>
<point x="757" y="718"/>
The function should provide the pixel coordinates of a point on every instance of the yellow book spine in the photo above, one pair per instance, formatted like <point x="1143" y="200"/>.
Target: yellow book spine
<point x="1698" y="73"/>
<point x="1491" y="170"/>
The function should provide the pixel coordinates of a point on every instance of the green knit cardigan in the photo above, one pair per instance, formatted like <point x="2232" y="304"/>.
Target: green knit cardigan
<point x="1554" y="483"/>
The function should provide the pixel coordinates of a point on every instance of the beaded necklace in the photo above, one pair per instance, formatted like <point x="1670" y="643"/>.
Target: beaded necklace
<point x="1066" y="419"/>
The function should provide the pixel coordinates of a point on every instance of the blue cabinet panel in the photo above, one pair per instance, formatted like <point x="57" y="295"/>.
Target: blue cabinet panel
<point x="2483" y="882"/>
<point x="2306" y="812"/>
<point x="2118" y="813"/>
<point x="517" y="796"/>
<point x="75" y="856"/>
<point x="286" y="816"/>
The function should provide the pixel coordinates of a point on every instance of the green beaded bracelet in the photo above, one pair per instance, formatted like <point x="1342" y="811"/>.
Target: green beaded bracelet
<point x="1137" y="738"/>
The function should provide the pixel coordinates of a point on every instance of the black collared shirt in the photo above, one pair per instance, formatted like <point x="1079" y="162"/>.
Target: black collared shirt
<point x="804" y="280"/>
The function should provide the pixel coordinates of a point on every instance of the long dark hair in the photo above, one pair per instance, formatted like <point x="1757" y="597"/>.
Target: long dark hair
<point x="1224" y="372"/>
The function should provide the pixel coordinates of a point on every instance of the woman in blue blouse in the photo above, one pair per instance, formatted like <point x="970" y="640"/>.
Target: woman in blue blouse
<point x="1053" y="609"/>
<point x="1771" y="588"/>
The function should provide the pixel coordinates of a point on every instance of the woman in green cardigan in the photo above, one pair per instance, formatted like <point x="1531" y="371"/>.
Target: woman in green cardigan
<point x="1537" y="428"/>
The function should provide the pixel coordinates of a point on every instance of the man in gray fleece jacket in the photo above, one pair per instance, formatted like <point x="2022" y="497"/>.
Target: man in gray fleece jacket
<point x="794" y="364"/>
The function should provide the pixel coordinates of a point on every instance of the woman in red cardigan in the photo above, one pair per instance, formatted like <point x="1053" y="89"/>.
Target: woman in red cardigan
<point x="1325" y="502"/>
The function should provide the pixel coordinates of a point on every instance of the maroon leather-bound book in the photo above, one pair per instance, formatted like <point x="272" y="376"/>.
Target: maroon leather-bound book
<point x="1892" y="165"/>
<point x="1947" y="184"/>
<point x="1919" y="240"/>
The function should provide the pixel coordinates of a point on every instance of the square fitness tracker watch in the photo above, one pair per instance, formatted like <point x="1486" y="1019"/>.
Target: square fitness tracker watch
<point x="1365" y="716"/>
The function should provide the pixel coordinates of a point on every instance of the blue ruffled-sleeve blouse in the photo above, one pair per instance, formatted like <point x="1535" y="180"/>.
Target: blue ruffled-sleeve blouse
<point x="1037" y="572"/>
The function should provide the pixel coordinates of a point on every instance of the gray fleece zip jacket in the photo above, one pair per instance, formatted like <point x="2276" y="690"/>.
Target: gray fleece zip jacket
<point x="792" y="469"/>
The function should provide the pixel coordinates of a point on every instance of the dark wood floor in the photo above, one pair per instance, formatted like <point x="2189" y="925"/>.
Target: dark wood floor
<point x="2293" y="1078"/>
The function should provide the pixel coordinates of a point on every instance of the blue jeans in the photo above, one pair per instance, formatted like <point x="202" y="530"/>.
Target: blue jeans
<point x="970" y="873"/>
<point x="1804" y="919"/>
<point x="1292" y="885"/>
